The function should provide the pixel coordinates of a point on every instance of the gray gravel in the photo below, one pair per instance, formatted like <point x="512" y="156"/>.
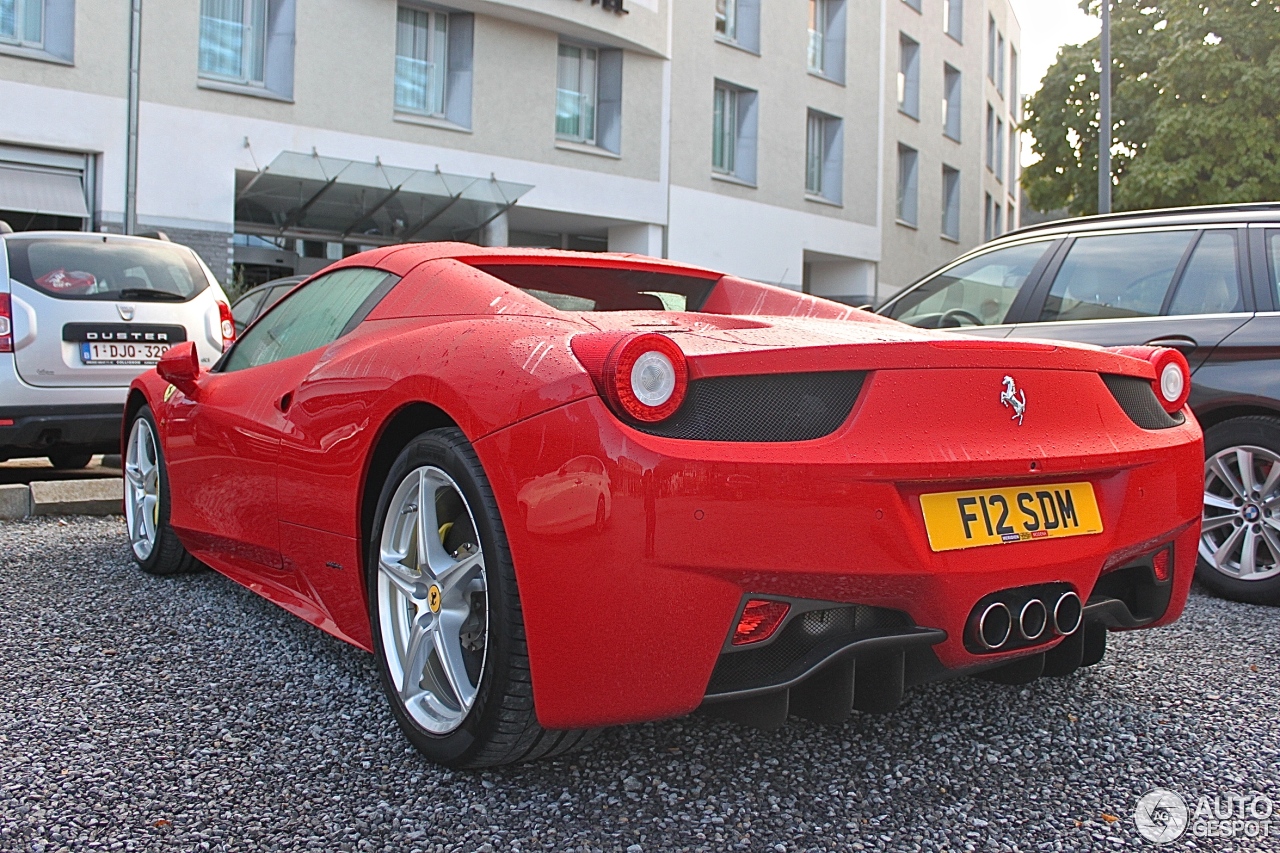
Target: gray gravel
<point x="188" y="714"/>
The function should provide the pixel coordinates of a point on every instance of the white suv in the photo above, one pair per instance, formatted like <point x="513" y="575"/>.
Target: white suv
<point x="81" y="314"/>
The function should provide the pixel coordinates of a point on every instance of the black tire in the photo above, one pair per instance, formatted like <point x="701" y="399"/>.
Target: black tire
<point x="168" y="556"/>
<point x="502" y="726"/>
<point x="1257" y="431"/>
<point x="70" y="459"/>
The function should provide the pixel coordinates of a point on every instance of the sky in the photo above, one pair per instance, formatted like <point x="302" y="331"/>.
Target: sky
<point x="1046" y="26"/>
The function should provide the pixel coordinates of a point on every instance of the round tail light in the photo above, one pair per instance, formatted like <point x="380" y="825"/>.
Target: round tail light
<point x="646" y="377"/>
<point x="1173" y="378"/>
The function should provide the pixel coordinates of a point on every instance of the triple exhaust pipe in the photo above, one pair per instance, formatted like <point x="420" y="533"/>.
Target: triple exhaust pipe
<point x="997" y="622"/>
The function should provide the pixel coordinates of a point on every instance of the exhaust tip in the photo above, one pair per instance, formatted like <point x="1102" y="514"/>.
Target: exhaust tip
<point x="1067" y="614"/>
<point x="994" y="626"/>
<point x="1033" y="619"/>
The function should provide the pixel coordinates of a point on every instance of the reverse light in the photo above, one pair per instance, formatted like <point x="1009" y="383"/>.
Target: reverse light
<point x="6" y="323"/>
<point x="228" y="325"/>
<point x="760" y="618"/>
<point x="1173" y="375"/>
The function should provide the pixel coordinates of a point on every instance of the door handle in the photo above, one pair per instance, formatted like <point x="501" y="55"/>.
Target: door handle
<point x="285" y="402"/>
<point x="1182" y="344"/>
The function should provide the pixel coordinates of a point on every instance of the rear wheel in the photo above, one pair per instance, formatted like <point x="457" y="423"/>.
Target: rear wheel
<point x="447" y="625"/>
<point x="1240" y="534"/>
<point x="156" y="548"/>
<point x="69" y="460"/>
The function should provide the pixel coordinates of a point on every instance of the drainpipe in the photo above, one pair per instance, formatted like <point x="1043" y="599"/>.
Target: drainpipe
<point x="131" y="142"/>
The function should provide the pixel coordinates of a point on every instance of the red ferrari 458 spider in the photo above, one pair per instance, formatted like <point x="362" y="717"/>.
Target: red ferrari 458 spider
<point x="553" y="492"/>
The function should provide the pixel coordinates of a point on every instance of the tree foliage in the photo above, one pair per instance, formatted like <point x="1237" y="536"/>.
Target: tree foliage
<point x="1195" y="108"/>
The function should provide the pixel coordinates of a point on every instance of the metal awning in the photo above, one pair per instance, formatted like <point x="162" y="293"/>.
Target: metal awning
<point x="312" y="197"/>
<point x="39" y="191"/>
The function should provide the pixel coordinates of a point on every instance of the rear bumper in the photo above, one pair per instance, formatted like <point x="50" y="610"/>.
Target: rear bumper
<point x="627" y="621"/>
<point x="30" y="430"/>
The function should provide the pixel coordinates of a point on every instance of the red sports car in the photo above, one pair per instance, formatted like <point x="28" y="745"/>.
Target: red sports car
<point x="555" y="491"/>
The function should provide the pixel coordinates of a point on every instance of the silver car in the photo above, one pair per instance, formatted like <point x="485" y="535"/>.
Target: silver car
<point x="81" y="314"/>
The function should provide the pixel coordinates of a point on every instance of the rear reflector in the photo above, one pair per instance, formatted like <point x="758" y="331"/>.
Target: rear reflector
<point x="6" y="421"/>
<point x="1160" y="564"/>
<point x="6" y="324"/>
<point x="760" y="618"/>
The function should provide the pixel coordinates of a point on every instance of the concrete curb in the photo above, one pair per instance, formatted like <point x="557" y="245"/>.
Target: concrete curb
<point x="63" y="497"/>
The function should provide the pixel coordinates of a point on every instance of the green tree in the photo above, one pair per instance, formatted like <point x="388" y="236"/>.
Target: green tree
<point x="1196" y="103"/>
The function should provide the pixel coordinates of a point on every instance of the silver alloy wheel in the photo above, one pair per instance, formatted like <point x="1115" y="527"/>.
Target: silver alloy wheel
<point x="433" y="605"/>
<point x="1240" y="535"/>
<point x="142" y="488"/>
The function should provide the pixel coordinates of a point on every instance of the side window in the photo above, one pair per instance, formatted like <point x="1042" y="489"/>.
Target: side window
<point x="977" y="292"/>
<point x="1273" y="253"/>
<point x="1116" y="276"/>
<point x="245" y="310"/>
<point x="1211" y="283"/>
<point x="314" y="316"/>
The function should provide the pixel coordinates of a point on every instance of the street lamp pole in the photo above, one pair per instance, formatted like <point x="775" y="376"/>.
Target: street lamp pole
<point x="1104" y="116"/>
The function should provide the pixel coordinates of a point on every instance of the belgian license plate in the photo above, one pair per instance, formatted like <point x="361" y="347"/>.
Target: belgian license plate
<point x="121" y="353"/>
<point x="973" y="518"/>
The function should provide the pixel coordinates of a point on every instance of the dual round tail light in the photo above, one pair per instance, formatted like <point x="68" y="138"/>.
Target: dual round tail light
<point x="1173" y="375"/>
<point x="643" y="376"/>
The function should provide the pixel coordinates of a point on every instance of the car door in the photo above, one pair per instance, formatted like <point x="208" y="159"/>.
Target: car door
<point x="224" y="444"/>
<point x="1243" y="370"/>
<point x="1185" y="288"/>
<point x="979" y="294"/>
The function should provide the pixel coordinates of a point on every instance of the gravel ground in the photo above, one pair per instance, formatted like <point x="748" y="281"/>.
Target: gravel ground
<point x="188" y="714"/>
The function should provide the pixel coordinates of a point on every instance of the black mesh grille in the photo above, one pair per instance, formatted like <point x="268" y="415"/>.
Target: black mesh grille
<point x="804" y="634"/>
<point x="770" y="407"/>
<point x="1138" y="399"/>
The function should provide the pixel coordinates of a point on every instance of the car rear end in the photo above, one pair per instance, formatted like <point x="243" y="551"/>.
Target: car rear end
<point x="85" y="314"/>
<point x="836" y="510"/>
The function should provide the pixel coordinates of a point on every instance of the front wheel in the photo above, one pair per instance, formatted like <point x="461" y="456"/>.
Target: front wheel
<point x="156" y="548"/>
<point x="445" y="612"/>
<point x="1240" y="533"/>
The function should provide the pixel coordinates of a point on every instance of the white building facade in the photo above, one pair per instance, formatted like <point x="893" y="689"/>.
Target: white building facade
<point x="844" y="147"/>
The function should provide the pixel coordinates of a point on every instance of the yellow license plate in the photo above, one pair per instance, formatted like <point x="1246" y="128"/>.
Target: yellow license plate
<point x="973" y="518"/>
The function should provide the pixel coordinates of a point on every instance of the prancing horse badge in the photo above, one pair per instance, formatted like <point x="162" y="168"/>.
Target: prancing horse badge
<point x="1011" y="396"/>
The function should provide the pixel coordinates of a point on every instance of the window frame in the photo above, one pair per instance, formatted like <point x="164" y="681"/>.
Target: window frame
<point x="817" y="37"/>
<point x="829" y="130"/>
<point x="829" y="41"/>
<point x="951" y="189"/>
<point x="952" y="108"/>
<point x="743" y="139"/>
<point x="19" y="38"/>
<point x="580" y="138"/>
<point x="907" y="211"/>
<point x="953" y="19"/>
<point x="258" y="39"/>
<point x="730" y="18"/>
<point x="724" y="128"/>
<point x="991" y="140"/>
<point x="1000" y="63"/>
<point x="991" y="47"/>
<point x="998" y="168"/>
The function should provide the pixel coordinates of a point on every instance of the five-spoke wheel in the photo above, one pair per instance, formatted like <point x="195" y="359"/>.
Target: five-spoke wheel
<point x="141" y="488"/>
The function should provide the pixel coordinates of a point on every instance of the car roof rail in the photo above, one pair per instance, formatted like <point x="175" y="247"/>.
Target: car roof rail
<point x="1160" y="212"/>
<point x="154" y="235"/>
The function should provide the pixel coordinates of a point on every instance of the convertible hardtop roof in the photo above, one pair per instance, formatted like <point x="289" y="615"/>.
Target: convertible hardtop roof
<point x="401" y="258"/>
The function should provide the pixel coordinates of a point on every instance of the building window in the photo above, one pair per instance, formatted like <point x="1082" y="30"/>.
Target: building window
<point x="1013" y="159"/>
<point x="248" y="42"/>
<point x="1014" y="106"/>
<point x="1000" y="64"/>
<point x="738" y="22"/>
<point x="233" y="40"/>
<point x="914" y="4"/>
<point x="953" y="19"/>
<point x="589" y="96"/>
<point x="824" y="158"/>
<point x="991" y="137"/>
<point x="422" y="57"/>
<point x="22" y="22"/>
<point x="999" y="164"/>
<point x="997" y="209"/>
<point x="951" y="102"/>
<point x="1012" y="222"/>
<point x="908" y="75"/>
<point x="950" y="203"/>
<point x="826" y="38"/>
<point x="727" y="19"/>
<point x="991" y="48"/>
<point x="733" y="142"/>
<point x="908" y="185"/>
<point x="986" y="217"/>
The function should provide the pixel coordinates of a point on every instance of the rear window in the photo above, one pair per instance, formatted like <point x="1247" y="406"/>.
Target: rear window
<point x="568" y="288"/>
<point x="106" y="268"/>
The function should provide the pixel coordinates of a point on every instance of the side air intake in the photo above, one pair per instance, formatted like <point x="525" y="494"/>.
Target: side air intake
<point x="1138" y="399"/>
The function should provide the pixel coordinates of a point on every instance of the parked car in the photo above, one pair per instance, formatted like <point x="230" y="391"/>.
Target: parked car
<point x="555" y="491"/>
<point x="252" y="304"/>
<point x="1205" y="281"/>
<point x="81" y="315"/>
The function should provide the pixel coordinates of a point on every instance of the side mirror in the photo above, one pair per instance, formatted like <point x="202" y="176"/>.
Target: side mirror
<point x="180" y="367"/>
